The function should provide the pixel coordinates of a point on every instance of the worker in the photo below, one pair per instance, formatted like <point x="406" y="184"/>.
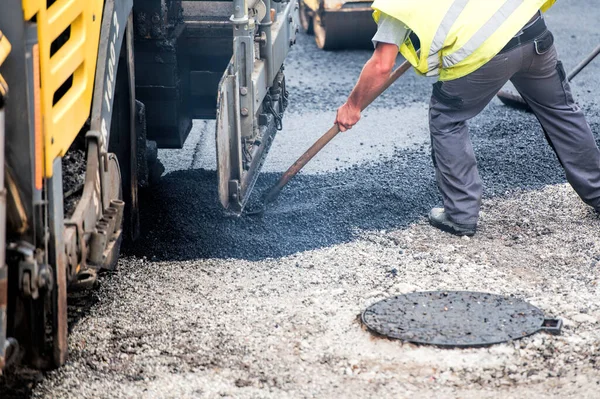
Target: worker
<point x="475" y="47"/>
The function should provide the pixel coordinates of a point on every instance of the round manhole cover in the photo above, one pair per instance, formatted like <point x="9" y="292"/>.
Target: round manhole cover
<point x="454" y="318"/>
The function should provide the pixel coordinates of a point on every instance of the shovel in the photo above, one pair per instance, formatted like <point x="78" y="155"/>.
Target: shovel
<point x="273" y="193"/>
<point x="516" y="101"/>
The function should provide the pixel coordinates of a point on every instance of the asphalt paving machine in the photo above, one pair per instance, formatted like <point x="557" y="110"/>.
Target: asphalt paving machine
<point x="338" y="24"/>
<point x="89" y="89"/>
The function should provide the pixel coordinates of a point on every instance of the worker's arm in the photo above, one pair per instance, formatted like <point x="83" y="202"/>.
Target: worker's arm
<point x="372" y="78"/>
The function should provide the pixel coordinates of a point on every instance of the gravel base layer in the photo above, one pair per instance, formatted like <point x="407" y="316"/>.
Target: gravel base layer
<point x="209" y="306"/>
<point x="289" y="327"/>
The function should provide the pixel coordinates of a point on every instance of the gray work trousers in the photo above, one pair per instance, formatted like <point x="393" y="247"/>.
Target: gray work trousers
<point x="541" y="80"/>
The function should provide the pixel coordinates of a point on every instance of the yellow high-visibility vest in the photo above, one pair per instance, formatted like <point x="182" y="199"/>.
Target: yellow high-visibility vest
<point x="458" y="36"/>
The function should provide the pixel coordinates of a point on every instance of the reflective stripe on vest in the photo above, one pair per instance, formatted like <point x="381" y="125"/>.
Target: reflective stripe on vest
<point x="433" y="60"/>
<point x="458" y="36"/>
<point x="484" y="33"/>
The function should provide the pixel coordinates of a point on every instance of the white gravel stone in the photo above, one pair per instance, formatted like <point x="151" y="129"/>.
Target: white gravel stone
<point x="274" y="337"/>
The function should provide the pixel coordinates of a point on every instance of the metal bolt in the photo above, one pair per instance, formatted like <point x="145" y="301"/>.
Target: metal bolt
<point x="243" y="91"/>
<point x="262" y="39"/>
<point x="244" y="111"/>
<point x="44" y="278"/>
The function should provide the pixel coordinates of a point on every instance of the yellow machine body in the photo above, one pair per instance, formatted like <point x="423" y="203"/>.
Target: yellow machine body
<point x="69" y="72"/>
<point x="5" y="48"/>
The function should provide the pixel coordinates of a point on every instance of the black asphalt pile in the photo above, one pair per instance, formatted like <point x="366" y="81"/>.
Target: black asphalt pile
<point x="182" y="218"/>
<point x="73" y="167"/>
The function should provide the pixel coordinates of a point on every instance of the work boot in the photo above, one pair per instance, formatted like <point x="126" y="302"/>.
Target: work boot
<point x="438" y="218"/>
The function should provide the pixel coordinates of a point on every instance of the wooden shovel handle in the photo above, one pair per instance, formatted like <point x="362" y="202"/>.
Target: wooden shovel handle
<point x="326" y="138"/>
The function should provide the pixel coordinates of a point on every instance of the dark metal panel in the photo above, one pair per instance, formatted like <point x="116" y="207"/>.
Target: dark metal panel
<point x="204" y="83"/>
<point x="156" y="19"/>
<point x="159" y="95"/>
<point x="58" y="261"/>
<point x="19" y="123"/>
<point x="114" y="22"/>
<point x="3" y="267"/>
<point x="162" y="71"/>
<point x="209" y="54"/>
<point x="130" y="194"/>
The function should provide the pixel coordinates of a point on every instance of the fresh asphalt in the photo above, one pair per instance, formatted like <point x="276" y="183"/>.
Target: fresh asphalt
<point x="378" y="176"/>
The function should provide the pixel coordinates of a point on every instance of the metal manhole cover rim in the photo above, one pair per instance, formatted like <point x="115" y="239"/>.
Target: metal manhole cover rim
<point x="552" y="326"/>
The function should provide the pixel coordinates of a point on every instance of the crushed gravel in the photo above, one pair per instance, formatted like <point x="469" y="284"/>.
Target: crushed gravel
<point x="207" y="306"/>
<point x="288" y="327"/>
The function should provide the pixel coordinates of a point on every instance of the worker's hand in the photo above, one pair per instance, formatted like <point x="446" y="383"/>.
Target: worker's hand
<point x="347" y="117"/>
